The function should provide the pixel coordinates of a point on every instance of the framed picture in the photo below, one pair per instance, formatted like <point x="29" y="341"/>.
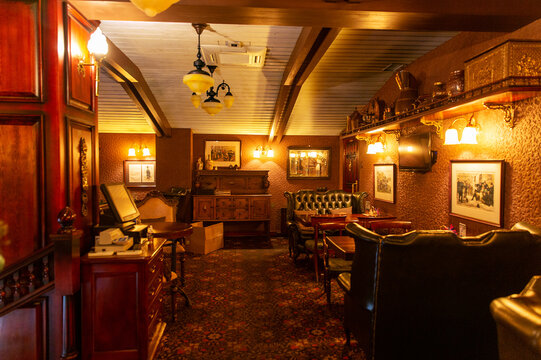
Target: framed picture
<point x="223" y="153"/>
<point x="140" y="173"/>
<point x="384" y="182"/>
<point x="476" y="190"/>
<point x="308" y="162"/>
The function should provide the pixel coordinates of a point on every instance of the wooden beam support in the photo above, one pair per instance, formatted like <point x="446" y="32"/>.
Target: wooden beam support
<point x="310" y="48"/>
<point x="429" y="15"/>
<point x="127" y="74"/>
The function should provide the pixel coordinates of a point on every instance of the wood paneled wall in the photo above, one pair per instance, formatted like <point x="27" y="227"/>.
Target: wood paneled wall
<point x="46" y="107"/>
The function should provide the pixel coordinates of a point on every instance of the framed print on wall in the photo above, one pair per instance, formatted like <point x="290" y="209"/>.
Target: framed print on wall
<point x="305" y="162"/>
<point x="384" y="182"/>
<point x="140" y="173"/>
<point x="223" y="153"/>
<point x="477" y="190"/>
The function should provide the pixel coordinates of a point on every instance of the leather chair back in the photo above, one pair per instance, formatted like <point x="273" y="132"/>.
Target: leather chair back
<point x="155" y="207"/>
<point x="427" y="294"/>
<point x="323" y="202"/>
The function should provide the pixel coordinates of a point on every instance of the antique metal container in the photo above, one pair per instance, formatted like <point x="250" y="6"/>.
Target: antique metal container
<point x="513" y="58"/>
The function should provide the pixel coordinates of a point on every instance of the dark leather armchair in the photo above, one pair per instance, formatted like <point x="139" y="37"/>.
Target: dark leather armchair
<point x="322" y="202"/>
<point x="427" y="294"/>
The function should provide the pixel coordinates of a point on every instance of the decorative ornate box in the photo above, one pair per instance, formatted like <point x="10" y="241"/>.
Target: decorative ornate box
<point x="513" y="58"/>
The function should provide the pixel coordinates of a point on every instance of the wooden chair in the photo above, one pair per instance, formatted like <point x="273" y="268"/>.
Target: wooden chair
<point x="154" y="207"/>
<point x="332" y="266"/>
<point x="387" y="227"/>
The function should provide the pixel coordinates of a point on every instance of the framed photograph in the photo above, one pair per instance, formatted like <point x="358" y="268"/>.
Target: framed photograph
<point x="140" y="173"/>
<point x="384" y="182"/>
<point x="223" y="153"/>
<point x="308" y="162"/>
<point x="476" y="190"/>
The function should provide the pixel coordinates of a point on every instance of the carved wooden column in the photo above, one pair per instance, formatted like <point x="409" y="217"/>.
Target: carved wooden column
<point x="68" y="281"/>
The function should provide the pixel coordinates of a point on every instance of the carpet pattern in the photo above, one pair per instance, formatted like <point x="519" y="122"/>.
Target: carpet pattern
<point x="254" y="303"/>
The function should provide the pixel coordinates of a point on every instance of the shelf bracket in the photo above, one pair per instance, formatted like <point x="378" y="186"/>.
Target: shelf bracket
<point x="508" y="111"/>
<point x="396" y="133"/>
<point x="438" y="124"/>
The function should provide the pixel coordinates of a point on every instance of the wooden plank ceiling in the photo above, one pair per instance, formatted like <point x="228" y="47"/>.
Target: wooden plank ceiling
<point x="349" y="73"/>
<point x="164" y="52"/>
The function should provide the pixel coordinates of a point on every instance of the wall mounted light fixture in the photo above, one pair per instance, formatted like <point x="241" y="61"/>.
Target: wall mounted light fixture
<point x="265" y="151"/>
<point x="374" y="146"/>
<point x="144" y="150"/>
<point x="469" y="133"/>
<point x="97" y="47"/>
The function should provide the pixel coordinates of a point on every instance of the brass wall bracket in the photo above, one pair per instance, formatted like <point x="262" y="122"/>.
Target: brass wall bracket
<point x="396" y="133"/>
<point x="508" y="111"/>
<point x="438" y="124"/>
<point x="363" y="138"/>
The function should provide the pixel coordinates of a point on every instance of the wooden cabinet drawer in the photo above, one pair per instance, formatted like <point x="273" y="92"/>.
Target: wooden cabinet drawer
<point x="231" y="182"/>
<point x="155" y="267"/>
<point x="259" y="208"/>
<point x="242" y="208"/>
<point x="203" y="208"/>
<point x="154" y="314"/>
<point x="155" y="286"/>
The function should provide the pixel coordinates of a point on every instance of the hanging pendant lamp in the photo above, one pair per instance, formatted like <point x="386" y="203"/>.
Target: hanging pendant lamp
<point x="198" y="80"/>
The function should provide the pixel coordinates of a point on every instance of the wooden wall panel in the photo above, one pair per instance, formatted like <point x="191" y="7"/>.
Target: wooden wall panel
<point x="79" y="133"/>
<point x="21" y="185"/>
<point x="24" y="332"/>
<point x="80" y="85"/>
<point x="20" y="62"/>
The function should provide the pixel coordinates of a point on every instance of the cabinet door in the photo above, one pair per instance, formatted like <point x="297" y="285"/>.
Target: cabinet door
<point x="242" y="209"/>
<point x="260" y="208"/>
<point x="225" y="208"/>
<point x="203" y="208"/>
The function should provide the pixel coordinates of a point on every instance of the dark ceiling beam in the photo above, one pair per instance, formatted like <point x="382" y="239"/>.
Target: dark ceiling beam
<point x="127" y="74"/>
<point x="430" y="15"/>
<point x="309" y="49"/>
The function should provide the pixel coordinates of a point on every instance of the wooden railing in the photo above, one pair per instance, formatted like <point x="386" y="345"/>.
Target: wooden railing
<point x="27" y="280"/>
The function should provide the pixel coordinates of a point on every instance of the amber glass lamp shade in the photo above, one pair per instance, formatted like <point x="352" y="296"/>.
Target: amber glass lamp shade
<point x="378" y="147"/>
<point x="198" y="81"/>
<point x="196" y="100"/>
<point x="270" y="153"/>
<point x="229" y="99"/>
<point x="153" y="7"/>
<point x="131" y="152"/>
<point x="371" y="149"/>
<point x="451" y="137"/>
<point x="212" y="106"/>
<point x="257" y="153"/>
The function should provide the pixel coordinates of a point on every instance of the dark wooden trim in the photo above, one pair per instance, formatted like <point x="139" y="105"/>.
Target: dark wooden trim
<point x="309" y="49"/>
<point x="128" y="75"/>
<point x="460" y="15"/>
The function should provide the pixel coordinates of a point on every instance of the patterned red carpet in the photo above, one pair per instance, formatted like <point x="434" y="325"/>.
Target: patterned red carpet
<point x="249" y="301"/>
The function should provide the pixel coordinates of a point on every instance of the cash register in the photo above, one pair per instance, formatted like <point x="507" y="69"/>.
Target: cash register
<point x="121" y="216"/>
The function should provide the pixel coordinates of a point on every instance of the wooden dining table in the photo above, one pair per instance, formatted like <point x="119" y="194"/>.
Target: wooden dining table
<point x="342" y="245"/>
<point x="314" y="220"/>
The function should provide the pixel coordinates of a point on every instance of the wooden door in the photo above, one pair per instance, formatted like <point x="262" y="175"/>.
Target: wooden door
<point x="260" y="208"/>
<point x="351" y="165"/>
<point x="203" y="208"/>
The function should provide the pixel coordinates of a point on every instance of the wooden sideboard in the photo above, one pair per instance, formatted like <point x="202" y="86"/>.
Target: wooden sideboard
<point x="237" y="181"/>
<point x="233" y="208"/>
<point x="121" y="304"/>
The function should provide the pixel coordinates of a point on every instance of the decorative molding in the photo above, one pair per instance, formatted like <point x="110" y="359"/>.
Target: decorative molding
<point x="84" y="176"/>
<point x="438" y="124"/>
<point x="508" y="111"/>
<point x="397" y="133"/>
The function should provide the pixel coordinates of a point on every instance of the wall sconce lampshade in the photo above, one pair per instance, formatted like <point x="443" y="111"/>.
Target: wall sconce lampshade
<point x="97" y="44"/>
<point x="131" y="152"/>
<point x="371" y="149"/>
<point x="469" y="134"/>
<point x="146" y="151"/>
<point x="264" y="151"/>
<point x="153" y="7"/>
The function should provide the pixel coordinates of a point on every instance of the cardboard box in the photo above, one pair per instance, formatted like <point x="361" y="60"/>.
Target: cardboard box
<point x="205" y="239"/>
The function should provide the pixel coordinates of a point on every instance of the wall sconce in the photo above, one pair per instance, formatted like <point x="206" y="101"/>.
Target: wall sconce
<point x="263" y="151"/>
<point x="98" y="48"/>
<point x="373" y="147"/>
<point x="142" y="149"/>
<point x="469" y="134"/>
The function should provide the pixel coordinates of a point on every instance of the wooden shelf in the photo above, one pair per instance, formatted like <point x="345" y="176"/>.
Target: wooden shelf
<point x="504" y="92"/>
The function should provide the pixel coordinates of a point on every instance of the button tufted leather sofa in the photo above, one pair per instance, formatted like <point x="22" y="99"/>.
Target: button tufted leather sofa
<point x="427" y="294"/>
<point x="322" y="202"/>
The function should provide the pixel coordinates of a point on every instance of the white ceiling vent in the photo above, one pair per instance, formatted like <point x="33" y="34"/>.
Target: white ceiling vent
<point x="234" y="53"/>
